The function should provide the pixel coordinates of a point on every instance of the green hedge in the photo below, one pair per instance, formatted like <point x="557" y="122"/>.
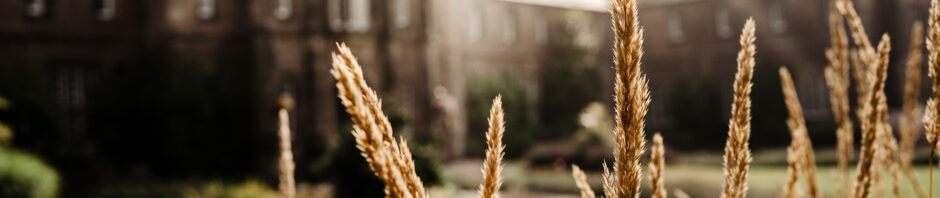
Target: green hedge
<point x="25" y="175"/>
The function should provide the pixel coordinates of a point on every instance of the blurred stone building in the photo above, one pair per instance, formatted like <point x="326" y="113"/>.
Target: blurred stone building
<point x="470" y="40"/>
<point x="704" y="33"/>
<point x="287" y="44"/>
<point x="419" y="54"/>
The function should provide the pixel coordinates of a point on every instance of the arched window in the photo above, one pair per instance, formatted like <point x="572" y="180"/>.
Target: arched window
<point x="541" y="29"/>
<point x="205" y="10"/>
<point x="36" y="8"/>
<point x="778" y="23"/>
<point x="70" y="93"/>
<point x="723" y="23"/>
<point x="509" y="27"/>
<point x="674" y="23"/>
<point x="358" y="16"/>
<point x="70" y="86"/>
<point x="402" y="13"/>
<point x="334" y="12"/>
<point x="105" y="9"/>
<point x="283" y="10"/>
<point x="475" y="23"/>
<point x="348" y="15"/>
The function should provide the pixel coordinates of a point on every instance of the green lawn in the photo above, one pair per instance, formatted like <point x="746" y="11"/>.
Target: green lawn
<point x="697" y="180"/>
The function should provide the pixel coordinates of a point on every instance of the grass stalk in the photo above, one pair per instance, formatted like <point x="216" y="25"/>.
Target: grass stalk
<point x="581" y="180"/>
<point x="390" y="161"/>
<point x="876" y="115"/>
<point x="737" y="158"/>
<point x="657" y="167"/>
<point x="798" y="133"/>
<point x="931" y="118"/>
<point x="631" y="99"/>
<point x="908" y="129"/>
<point x="492" y="166"/>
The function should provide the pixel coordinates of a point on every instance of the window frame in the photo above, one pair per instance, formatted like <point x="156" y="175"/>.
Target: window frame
<point x="206" y="10"/>
<point x="283" y="10"/>
<point x="674" y="26"/>
<point x="105" y="10"/>
<point x="36" y="9"/>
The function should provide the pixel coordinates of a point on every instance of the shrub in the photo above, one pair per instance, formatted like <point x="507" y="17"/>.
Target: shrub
<point x="350" y="173"/>
<point x="252" y="188"/>
<point x="480" y="94"/>
<point x="571" y="58"/>
<point x="696" y="104"/>
<point x="25" y="175"/>
<point x="216" y="189"/>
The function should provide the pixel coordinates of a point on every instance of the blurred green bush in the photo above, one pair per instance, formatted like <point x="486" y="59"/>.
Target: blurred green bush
<point x="697" y="115"/>
<point x="250" y="188"/>
<point x="25" y="175"/>
<point x="480" y="96"/>
<point x="348" y="171"/>
<point x="216" y="189"/>
<point x="197" y="122"/>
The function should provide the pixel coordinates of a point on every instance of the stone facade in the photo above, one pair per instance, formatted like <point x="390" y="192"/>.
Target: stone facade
<point x="287" y="42"/>
<point x="411" y="49"/>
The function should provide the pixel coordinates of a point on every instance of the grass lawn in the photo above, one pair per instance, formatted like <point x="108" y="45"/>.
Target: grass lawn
<point x="696" y="180"/>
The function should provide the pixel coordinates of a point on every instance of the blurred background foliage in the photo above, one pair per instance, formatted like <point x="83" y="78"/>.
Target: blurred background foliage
<point x="697" y="105"/>
<point x="352" y="177"/>
<point x="569" y="78"/>
<point x="25" y="175"/>
<point x="518" y="114"/>
<point x="197" y="123"/>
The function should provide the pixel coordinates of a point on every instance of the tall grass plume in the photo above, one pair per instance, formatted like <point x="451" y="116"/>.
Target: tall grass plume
<point x="875" y="112"/>
<point x="286" y="184"/>
<point x="631" y="100"/>
<point x="581" y="180"/>
<point x="908" y="122"/>
<point x="657" y="167"/>
<point x="837" y="80"/>
<point x="492" y="165"/>
<point x="390" y="161"/>
<point x="931" y="117"/>
<point x="737" y="158"/>
<point x="800" y="142"/>
<point x="791" y="189"/>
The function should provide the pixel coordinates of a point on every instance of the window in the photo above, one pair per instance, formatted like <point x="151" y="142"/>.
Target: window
<point x="723" y="23"/>
<point x="105" y="9"/>
<point x="283" y="9"/>
<point x="36" y="8"/>
<point x="205" y="9"/>
<point x="402" y="13"/>
<point x="358" y="16"/>
<point x="335" y="14"/>
<point x="70" y="87"/>
<point x="509" y="27"/>
<point x="541" y="29"/>
<point x="674" y="23"/>
<point x="475" y="31"/>
<point x="70" y="83"/>
<point x="348" y="15"/>
<point x="777" y="22"/>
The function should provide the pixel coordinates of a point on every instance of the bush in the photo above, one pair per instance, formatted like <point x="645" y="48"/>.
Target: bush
<point x="771" y="118"/>
<point x="349" y="172"/>
<point x="249" y="189"/>
<point x="25" y="175"/>
<point x="518" y="126"/>
<point x="198" y="188"/>
<point x="696" y="108"/>
<point x="568" y="81"/>
<point x="199" y="123"/>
